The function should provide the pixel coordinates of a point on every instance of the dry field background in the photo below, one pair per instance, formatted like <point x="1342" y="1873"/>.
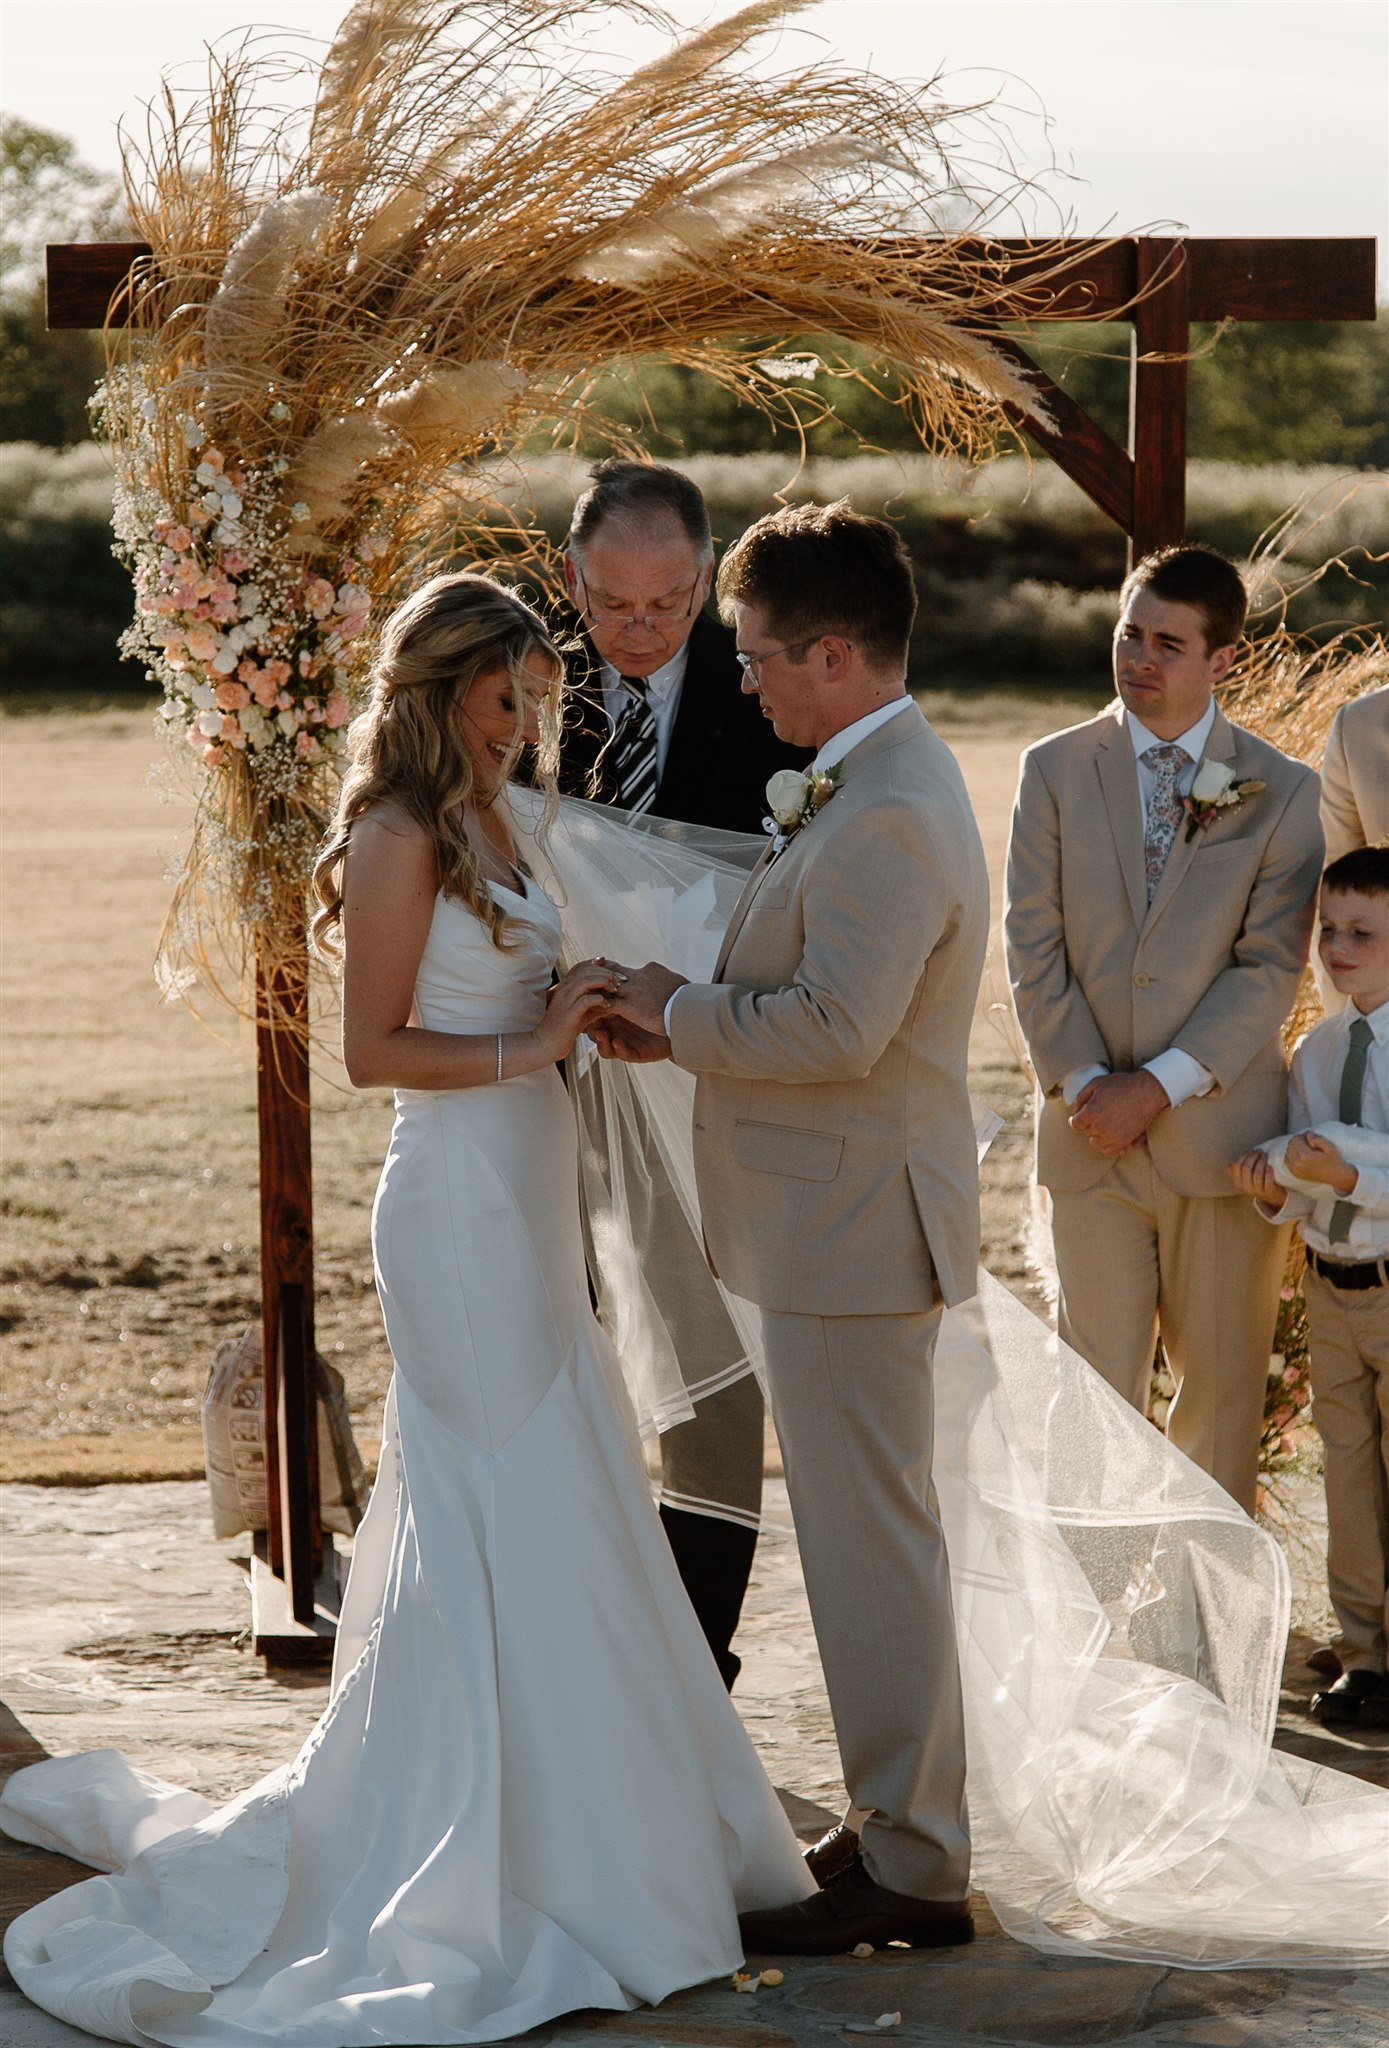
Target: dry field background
<point x="129" y="1174"/>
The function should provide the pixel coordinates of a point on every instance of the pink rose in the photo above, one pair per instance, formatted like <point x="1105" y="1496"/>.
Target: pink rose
<point x="230" y="728"/>
<point x="236" y="562"/>
<point x="202" y="643"/>
<point x="319" y="596"/>
<point x="279" y="672"/>
<point x="232" y="696"/>
<point x="263" y="690"/>
<point x="284" y="701"/>
<point x="214" y="756"/>
<point x="179" y="539"/>
<point x="335" y="711"/>
<point x="305" y="746"/>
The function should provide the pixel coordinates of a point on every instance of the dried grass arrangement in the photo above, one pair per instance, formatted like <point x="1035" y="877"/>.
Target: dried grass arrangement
<point x="348" y="325"/>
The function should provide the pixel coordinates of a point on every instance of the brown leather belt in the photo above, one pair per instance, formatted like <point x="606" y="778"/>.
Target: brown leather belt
<point x="1353" y="1276"/>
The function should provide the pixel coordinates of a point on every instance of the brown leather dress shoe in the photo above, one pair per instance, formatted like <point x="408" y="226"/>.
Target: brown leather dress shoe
<point x="853" y="1909"/>
<point x="831" y="1854"/>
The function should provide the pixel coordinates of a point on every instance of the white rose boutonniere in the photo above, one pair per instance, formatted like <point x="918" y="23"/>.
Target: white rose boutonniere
<point x="1216" y="788"/>
<point x="793" y="798"/>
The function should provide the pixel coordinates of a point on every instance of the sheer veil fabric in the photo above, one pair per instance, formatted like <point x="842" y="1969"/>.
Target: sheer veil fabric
<point x="1121" y="1622"/>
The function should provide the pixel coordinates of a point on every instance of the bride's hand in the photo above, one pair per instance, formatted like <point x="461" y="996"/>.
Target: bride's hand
<point x="577" y="999"/>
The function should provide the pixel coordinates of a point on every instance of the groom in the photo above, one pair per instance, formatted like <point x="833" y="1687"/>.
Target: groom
<point x="835" y="1155"/>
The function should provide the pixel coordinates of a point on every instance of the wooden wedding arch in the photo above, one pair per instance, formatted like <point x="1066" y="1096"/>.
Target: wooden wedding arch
<point x="1159" y="284"/>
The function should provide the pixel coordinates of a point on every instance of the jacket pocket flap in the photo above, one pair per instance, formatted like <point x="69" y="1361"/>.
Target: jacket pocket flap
<point x="777" y="1148"/>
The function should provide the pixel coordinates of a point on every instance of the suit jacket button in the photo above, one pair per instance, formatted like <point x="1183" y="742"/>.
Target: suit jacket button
<point x="1141" y="980"/>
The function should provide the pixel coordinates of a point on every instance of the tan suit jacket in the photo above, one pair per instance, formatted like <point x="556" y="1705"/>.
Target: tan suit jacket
<point x="1212" y="966"/>
<point x="834" y="1141"/>
<point x="1355" y="775"/>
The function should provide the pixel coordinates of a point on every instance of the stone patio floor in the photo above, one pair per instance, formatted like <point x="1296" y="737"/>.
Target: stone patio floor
<point x="125" y="1623"/>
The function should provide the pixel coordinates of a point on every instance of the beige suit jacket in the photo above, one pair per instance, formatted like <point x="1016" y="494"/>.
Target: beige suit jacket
<point x="1212" y="966"/>
<point x="834" y="1141"/>
<point x="1355" y="775"/>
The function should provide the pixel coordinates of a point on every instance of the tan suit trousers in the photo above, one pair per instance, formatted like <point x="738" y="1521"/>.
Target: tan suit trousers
<point x="853" y="1403"/>
<point x="1135" y="1260"/>
<point x="1350" y="1406"/>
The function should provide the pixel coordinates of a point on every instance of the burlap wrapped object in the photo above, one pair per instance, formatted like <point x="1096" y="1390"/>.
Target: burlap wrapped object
<point x="233" y="1412"/>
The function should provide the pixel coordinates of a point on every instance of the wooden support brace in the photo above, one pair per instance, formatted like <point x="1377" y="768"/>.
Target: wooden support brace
<point x="1157" y="396"/>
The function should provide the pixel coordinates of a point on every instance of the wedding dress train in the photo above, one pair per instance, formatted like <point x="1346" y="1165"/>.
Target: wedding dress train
<point x="529" y="1793"/>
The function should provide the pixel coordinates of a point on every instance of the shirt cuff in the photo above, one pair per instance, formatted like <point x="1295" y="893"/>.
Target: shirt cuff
<point x="1181" y="1076"/>
<point x="1078" y="1078"/>
<point x="670" y="1005"/>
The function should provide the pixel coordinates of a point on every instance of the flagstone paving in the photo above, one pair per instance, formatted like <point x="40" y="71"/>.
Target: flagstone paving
<point x="125" y="1624"/>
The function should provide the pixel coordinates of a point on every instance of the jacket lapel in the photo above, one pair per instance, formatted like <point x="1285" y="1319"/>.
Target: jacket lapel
<point x="1219" y="747"/>
<point x="1119" y="780"/>
<point x="741" y="909"/>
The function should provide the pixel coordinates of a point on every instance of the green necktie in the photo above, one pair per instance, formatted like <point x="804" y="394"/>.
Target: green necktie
<point x="1352" y="1095"/>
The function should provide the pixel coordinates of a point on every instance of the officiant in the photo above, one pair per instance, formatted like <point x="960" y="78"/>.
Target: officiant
<point x="657" y="722"/>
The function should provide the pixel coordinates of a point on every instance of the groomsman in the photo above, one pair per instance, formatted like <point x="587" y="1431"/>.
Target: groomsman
<point x="1162" y="874"/>
<point x="1355" y="775"/>
<point x="1354" y="795"/>
<point x="658" y="721"/>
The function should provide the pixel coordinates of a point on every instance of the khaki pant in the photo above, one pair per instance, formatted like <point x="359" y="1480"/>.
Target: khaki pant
<point x="1135" y="1260"/>
<point x="853" y="1403"/>
<point x="1350" y="1406"/>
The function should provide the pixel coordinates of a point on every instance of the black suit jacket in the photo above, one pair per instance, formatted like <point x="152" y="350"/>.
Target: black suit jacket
<point x="722" y="750"/>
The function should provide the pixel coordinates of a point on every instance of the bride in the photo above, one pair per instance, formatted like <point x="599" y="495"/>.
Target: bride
<point x="530" y="1792"/>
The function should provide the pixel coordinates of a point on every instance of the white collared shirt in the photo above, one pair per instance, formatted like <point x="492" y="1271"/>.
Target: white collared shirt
<point x="1193" y="742"/>
<point x="663" y="695"/>
<point x="1314" y="1097"/>
<point x="1181" y="1076"/>
<point x="847" y="738"/>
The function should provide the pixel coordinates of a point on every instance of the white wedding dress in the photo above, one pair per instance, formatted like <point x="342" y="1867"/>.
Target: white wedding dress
<point x="530" y="1792"/>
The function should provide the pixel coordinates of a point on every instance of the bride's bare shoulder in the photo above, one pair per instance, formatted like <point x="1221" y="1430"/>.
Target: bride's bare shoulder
<point x="387" y="840"/>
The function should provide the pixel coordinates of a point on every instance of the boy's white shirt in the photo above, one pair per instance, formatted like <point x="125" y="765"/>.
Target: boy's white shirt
<point x="1314" y="1090"/>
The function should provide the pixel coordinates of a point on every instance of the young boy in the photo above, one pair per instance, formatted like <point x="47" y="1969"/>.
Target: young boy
<point x="1340" y="1073"/>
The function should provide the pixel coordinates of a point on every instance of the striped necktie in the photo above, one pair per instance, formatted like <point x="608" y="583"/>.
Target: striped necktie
<point x="634" y="748"/>
<point x="1352" y="1100"/>
<point x="1164" y="810"/>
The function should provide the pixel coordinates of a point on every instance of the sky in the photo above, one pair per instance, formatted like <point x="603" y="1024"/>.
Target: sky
<point x="1222" y="117"/>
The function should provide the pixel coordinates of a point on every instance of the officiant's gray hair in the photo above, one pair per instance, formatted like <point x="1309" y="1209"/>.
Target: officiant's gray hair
<point x="631" y="494"/>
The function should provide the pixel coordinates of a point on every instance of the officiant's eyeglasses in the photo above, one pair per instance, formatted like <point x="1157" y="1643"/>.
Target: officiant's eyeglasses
<point x="614" y="611"/>
<point x="751" y="664"/>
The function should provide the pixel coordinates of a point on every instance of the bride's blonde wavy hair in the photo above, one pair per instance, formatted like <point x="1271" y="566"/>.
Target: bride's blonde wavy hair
<point x="408" y="748"/>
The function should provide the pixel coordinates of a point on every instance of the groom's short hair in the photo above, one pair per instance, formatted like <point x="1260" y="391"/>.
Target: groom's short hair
<point x="1197" y="576"/>
<point x="813" y="569"/>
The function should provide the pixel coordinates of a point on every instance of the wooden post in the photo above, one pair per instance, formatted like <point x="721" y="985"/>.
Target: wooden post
<point x="293" y="1538"/>
<point x="1157" y="395"/>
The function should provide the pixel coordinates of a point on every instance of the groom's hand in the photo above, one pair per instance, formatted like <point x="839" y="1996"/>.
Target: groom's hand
<point x="618" y="1040"/>
<point x="1115" y="1110"/>
<point x="643" y="996"/>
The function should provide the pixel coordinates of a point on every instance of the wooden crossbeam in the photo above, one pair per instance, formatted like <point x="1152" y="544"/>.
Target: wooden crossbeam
<point x="1274" y="278"/>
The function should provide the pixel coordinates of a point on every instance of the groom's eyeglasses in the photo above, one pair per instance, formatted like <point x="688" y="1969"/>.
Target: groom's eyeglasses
<point x="615" y="611"/>
<point x="751" y="664"/>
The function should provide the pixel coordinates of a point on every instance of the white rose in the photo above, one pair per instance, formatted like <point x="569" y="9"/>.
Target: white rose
<point x="787" y="795"/>
<point x="203" y="695"/>
<point x="1213" y="778"/>
<point x="287" y="722"/>
<point x="210" y="724"/>
<point x="248" y="599"/>
<point x="225" y="661"/>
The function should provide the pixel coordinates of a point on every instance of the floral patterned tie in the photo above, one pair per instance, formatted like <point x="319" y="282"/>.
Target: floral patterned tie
<point x="1164" y="809"/>
<point x="1352" y="1098"/>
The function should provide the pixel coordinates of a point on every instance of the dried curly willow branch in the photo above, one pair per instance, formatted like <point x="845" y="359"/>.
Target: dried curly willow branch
<point x="364" y="316"/>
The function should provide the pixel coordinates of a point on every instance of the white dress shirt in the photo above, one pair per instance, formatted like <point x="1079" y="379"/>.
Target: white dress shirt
<point x="830" y="755"/>
<point x="663" y="695"/>
<point x="1181" y="1076"/>
<point x="1314" y="1097"/>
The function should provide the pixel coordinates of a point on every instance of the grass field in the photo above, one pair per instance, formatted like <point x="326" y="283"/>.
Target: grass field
<point x="129" y="1174"/>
